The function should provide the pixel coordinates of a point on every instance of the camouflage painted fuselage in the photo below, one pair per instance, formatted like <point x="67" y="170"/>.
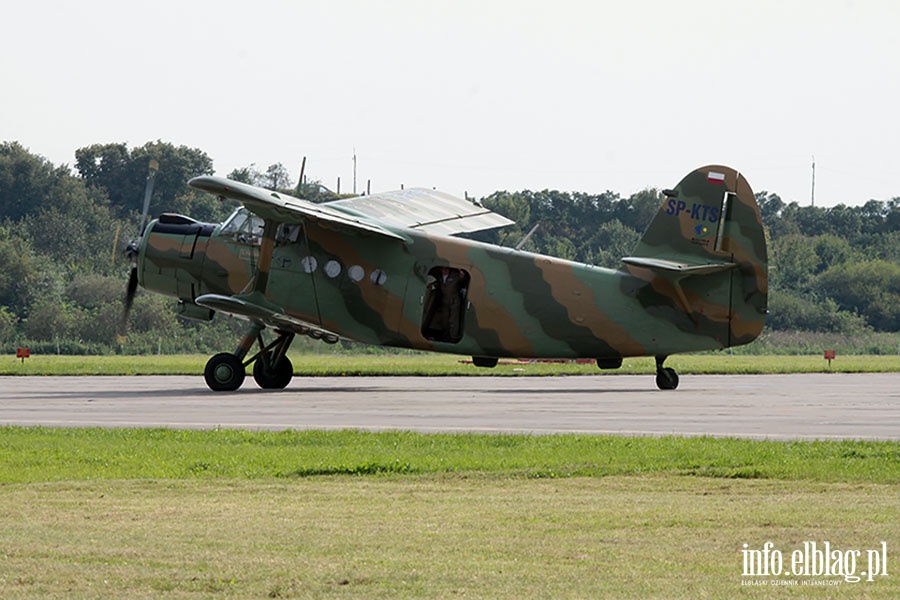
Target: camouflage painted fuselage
<point x="697" y="281"/>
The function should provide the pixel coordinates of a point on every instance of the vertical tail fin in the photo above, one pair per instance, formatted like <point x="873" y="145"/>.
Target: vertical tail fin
<point x="707" y="241"/>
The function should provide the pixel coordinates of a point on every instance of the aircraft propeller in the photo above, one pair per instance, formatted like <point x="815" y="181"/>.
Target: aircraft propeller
<point x="133" y="248"/>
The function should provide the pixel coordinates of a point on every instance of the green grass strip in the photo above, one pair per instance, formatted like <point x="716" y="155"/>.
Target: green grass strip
<point x="36" y="454"/>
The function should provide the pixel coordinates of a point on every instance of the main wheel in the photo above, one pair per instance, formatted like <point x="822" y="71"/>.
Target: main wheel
<point x="276" y="376"/>
<point x="224" y="372"/>
<point x="666" y="379"/>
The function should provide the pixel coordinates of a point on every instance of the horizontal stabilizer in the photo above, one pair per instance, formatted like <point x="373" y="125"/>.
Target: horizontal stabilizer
<point x="682" y="268"/>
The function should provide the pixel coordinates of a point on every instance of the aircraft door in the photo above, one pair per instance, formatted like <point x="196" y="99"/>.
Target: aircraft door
<point x="292" y="274"/>
<point x="444" y="304"/>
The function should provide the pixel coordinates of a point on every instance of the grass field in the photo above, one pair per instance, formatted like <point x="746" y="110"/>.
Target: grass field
<point x="94" y="513"/>
<point x="445" y="536"/>
<point x="443" y="364"/>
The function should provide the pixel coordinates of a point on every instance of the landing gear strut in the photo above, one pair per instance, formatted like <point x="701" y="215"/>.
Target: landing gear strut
<point x="272" y="369"/>
<point x="666" y="377"/>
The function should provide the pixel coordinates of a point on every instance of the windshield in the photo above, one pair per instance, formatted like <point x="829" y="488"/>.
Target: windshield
<point x="244" y="227"/>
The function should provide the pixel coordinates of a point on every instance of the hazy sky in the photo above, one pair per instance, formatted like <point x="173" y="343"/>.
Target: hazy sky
<point x="473" y="96"/>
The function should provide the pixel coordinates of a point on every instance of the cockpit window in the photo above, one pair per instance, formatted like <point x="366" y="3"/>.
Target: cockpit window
<point x="244" y="227"/>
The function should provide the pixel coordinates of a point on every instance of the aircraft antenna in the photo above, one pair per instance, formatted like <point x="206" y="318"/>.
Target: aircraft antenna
<point x="148" y="191"/>
<point x="300" y="181"/>
<point x="812" y="193"/>
<point x="527" y="237"/>
<point x="115" y="243"/>
<point x="354" y="171"/>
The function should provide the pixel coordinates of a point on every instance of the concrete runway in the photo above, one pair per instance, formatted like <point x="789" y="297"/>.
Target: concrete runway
<point x="823" y="406"/>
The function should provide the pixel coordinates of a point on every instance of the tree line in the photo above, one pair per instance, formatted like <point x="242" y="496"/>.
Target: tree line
<point x="63" y="231"/>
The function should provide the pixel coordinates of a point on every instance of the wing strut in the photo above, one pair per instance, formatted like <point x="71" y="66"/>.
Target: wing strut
<point x="264" y="262"/>
<point x="255" y="292"/>
<point x="312" y="278"/>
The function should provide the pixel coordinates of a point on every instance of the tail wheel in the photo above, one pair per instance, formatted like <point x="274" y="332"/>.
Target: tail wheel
<point x="270" y="375"/>
<point x="224" y="372"/>
<point x="488" y="362"/>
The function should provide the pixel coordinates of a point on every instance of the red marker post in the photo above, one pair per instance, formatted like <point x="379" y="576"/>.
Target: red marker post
<point x="829" y="356"/>
<point x="23" y="353"/>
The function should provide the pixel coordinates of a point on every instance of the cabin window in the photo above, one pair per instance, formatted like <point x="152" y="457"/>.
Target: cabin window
<point x="443" y="310"/>
<point x="288" y="233"/>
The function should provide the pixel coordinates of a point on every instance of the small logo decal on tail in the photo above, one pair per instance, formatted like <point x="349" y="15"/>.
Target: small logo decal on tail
<point x="701" y="232"/>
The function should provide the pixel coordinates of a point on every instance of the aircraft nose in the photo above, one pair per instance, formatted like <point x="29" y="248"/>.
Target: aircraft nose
<point x="171" y="256"/>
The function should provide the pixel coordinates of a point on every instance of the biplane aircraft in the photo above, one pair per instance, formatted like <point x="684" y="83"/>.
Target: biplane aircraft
<point x="391" y="269"/>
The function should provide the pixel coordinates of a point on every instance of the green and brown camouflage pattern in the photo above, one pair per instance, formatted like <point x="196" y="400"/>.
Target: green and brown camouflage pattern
<point x="697" y="280"/>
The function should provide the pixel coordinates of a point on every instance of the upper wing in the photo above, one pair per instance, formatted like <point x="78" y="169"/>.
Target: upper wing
<point x="425" y="210"/>
<point x="284" y="208"/>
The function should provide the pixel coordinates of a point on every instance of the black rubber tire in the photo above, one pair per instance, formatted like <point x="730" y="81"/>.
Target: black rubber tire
<point x="667" y="379"/>
<point x="487" y="362"/>
<point x="224" y="372"/>
<point x="276" y="378"/>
